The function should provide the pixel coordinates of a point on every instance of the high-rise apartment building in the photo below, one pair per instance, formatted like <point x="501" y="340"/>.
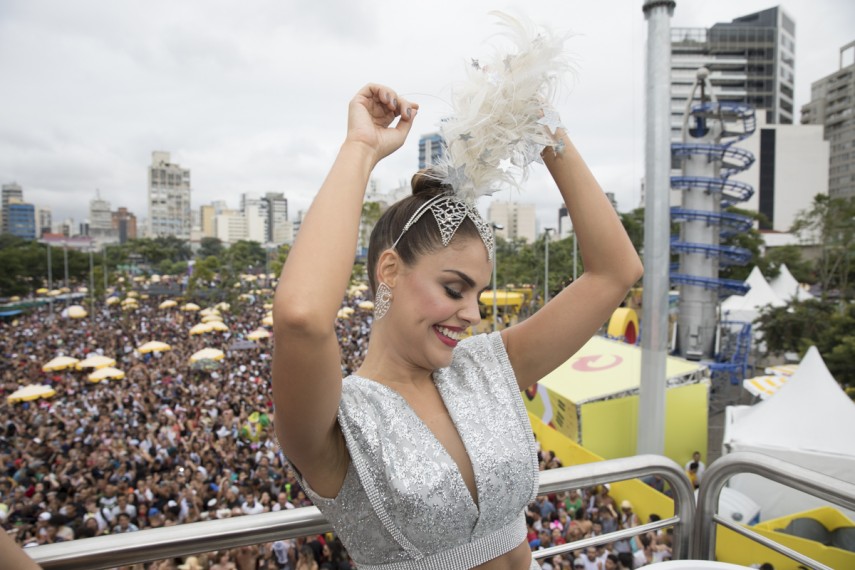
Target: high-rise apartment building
<point x="750" y="59"/>
<point x="168" y="198"/>
<point x="832" y="105"/>
<point x="431" y="149"/>
<point x="518" y="221"/>
<point x="45" y="221"/>
<point x="10" y="193"/>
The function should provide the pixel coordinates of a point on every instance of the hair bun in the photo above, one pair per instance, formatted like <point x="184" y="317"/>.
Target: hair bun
<point x="428" y="183"/>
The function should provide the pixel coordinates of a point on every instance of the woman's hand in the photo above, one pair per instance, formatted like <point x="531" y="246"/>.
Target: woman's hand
<point x="371" y="114"/>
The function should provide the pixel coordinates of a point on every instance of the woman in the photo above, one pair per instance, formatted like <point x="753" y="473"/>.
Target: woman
<point x="306" y="559"/>
<point x="426" y="456"/>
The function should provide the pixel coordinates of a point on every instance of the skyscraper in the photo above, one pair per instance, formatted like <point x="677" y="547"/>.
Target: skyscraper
<point x="431" y="149"/>
<point x="279" y="230"/>
<point x="168" y="198"/>
<point x="11" y="192"/>
<point x="20" y="219"/>
<point x="832" y="105"/>
<point x="751" y="60"/>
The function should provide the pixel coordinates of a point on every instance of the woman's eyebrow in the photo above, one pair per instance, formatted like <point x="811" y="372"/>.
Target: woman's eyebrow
<point x="466" y="279"/>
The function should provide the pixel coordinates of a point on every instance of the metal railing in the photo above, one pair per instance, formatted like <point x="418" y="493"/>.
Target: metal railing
<point x="155" y="544"/>
<point x="717" y="475"/>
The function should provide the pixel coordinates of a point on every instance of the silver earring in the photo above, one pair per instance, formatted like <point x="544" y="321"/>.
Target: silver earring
<point x="382" y="300"/>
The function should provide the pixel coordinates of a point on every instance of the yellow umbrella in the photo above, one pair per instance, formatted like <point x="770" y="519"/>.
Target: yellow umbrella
<point x="211" y="318"/>
<point x="245" y="297"/>
<point x="82" y="290"/>
<point x="41" y="291"/>
<point x="201" y="328"/>
<point x="222" y="306"/>
<point x="153" y="346"/>
<point x="218" y="326"/>
<point x="14" y="298"/>
<point x="59" y="363"/>
<point x="129" y="301"/>
<point x="104" y="373"/>
<point x="31" y="392"/>
<point x="54" y="292"/>
<point x="95" y="361"/>
<point x="209" y="311"/>
<point x="345" y="313"/>
<point x="64" y="290"/>
<point x="267" y="306"/>
<point x="155" y="278"/>
<point x="144" y="296"/>
<point x="258" y="334"/>
<point x="267" y="321"/>
<point x="133" y="294"/>
<point x="248" y="277"/>
<point x="112" y="300"/>
<point x="168" y="304"/>
<point x="207" y="354"/>
<point x="77" y="312"/>
<point x="190" y="307"/>
<point x="366" y="306"/>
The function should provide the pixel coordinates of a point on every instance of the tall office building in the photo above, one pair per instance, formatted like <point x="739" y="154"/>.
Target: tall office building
<point x="431" y="149"/>
<point x="518" y="221"/>
<point x="45" y="221"/>
<point x="10" y="192"/>
<point x="751" y="60"/>
<point x="124" y="224"/>
<point x="279" y="229"/>
<point x="20" y="218"/>
<point x="832" y="105"/>
<point x="168" y="198"/>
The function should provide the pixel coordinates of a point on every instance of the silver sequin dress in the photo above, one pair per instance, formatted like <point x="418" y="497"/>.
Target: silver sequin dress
<point x="403" y="504"/>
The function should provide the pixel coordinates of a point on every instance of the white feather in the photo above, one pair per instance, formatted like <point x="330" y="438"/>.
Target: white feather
<point x="500" y="111"/>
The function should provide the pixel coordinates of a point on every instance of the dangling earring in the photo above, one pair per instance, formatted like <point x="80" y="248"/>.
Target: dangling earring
<point x="382" y="300"/>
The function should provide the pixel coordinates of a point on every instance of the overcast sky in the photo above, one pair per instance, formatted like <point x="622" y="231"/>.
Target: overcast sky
<point x="252" y="96"/>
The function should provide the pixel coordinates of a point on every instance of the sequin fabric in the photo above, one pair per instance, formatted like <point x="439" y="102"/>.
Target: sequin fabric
<point x="403" y="504"/>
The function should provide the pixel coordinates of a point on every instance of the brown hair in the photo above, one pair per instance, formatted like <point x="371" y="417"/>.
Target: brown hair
<point x="421" y="238"/>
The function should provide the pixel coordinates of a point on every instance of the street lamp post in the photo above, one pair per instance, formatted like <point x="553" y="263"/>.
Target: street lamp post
<point x="495" y="227"/>
<point x="91" y="283"/>
<point x="65" y="258"/>
<point x="50" y="279"/>
<point x="546" y="232"/>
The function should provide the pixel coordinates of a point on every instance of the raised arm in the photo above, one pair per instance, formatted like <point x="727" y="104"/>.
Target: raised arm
<point x="306" y="358"/>
<point x="544" y="341"/>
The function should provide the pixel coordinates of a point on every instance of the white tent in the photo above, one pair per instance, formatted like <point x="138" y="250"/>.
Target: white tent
<point x="787" y="288"/>
<point x="747" y="307"/>
<point x="809" y="421"/>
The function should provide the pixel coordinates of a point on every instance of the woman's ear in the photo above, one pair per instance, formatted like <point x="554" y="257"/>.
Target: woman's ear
<point x="388" y="267"/>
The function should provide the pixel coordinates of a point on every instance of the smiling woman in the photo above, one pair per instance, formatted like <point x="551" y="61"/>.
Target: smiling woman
<point x="424" y="458"/>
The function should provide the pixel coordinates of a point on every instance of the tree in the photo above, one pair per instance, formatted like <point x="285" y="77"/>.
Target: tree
<point x="633" y="223"/>
<point x="802" y="324"/>
<point x="791" y="256"/>
<point x="830" y="223"/>
<point x="210" y="246"/>
<point x="245" y="255"/>
<point x="750" y="240"/>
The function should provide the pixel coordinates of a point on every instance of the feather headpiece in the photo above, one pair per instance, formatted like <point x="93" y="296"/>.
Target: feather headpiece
<point x="502" y="115"/>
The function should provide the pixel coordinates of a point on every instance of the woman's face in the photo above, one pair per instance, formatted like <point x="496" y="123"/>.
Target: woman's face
<point x="436" y="300"/>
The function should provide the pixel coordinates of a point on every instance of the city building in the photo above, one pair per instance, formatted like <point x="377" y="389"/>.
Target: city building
<point x="791" y="168"/>
<point x="168" y="198"/>
<point x="100" y="223"/>
<point x="750" y="59"/>
<point x="10" y="192"/>
<point x="208" y="221"/>
<point x="233" y="225"/>
<point x="45" y="221"/>
<point x="124" y="223"/>
<point x="431" y="149"/>
<point x="518" y="221"/>
<point x="20" y="219"/>
<point x="832" y="105"/>
<point x="565" y="224"/>
<point x="279" y="229"/>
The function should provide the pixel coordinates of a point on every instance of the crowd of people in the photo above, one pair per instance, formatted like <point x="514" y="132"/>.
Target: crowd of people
<point x="176" y="443"/>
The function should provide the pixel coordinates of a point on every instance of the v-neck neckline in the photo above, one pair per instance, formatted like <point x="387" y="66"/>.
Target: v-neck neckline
<point x="422" y="425"/>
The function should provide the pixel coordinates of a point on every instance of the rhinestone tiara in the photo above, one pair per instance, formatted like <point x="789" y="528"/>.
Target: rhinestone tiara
<point x="449" y="212"/>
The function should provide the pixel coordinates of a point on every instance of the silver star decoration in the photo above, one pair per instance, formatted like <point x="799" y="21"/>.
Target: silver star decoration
<point x="456" y="176"/>
<point x="476" y="64"/>
<point x="485" y="157"/>
<point x="551" y="120"/>
<point x="505" y="164"/>
<point x="465" y="137"/>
